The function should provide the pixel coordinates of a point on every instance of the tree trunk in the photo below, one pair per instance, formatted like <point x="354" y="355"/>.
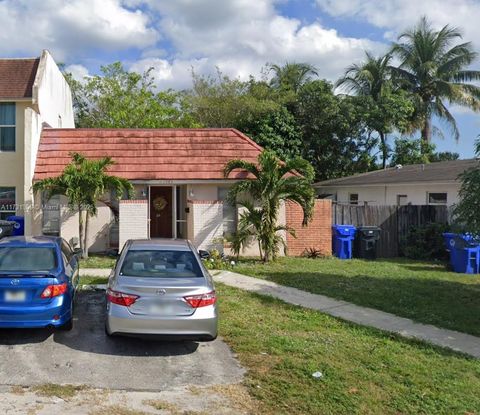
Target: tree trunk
<point x="427" y="130"/>
<point x="383" y="143"/>
<point x="80" y="230"/>
<point x="85" y="242"/>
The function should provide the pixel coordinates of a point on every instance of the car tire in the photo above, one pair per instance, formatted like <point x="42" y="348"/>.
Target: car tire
<point x="66" y="326"/>
<point x="108" y="334"/>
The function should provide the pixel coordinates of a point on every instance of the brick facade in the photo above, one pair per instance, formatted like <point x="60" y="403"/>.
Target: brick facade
<point x="318" y="233"/>
<point x="133" y="220"/>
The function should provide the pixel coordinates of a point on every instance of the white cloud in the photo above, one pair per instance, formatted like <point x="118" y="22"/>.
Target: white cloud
<point x="70" y="28"/>
<point x="237" y="36"/>
<point x="397" y="15"/>
<point x="241" y="36"/>
<point x="79" y="72"/>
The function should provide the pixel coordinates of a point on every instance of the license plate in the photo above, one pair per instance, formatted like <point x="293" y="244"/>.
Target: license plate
<point x="161" y="309"/>
<point x="15" y="296"/>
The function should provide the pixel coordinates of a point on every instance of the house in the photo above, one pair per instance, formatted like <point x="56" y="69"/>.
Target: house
<point x="418" y="184"/>
<point x="33" y="93"/>
<point x="177" y="174"/>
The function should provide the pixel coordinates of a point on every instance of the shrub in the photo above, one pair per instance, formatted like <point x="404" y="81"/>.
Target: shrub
<point x="425" y="242"/>
<point x="216" y="260"/>
<point x="312" y="253"/>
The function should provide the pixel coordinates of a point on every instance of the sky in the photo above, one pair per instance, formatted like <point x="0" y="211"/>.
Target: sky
<point x="238" y="36"/>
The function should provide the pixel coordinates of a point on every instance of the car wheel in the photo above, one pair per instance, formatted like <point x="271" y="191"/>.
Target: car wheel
<point x="66" y="326"/>
<point x="107" y="332"/>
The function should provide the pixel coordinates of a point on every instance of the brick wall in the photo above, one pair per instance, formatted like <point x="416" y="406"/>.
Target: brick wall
<point x="206" y="223"/>
<point x="133" y="220"/>
<point x="318" y="234"/>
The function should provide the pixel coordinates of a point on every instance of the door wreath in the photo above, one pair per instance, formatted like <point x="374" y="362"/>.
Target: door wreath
<point x="159" y="203"/>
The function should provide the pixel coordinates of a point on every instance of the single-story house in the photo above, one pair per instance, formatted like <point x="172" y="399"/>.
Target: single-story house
<point x="177" y="176"/>
<point x="417" y="184"/>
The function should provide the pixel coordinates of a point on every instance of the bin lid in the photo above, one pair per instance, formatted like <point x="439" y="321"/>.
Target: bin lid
<point x="344" y="230"/>
<point x="16" y="218"/>
<point x="369" y="230"/>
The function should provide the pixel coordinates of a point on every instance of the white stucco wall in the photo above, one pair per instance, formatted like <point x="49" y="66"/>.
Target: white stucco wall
<point x="98" y="226"/>
<point x="387" y="195"/>
<point x="51" y="104"/>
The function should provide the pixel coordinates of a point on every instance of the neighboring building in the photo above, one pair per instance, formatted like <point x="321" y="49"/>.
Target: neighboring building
<point x="417" y="184"/>
<point x="33" y="93"/>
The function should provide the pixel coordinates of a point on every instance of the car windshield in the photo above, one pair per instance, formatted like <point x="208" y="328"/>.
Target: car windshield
<point x="161" y="264"/>
<point x="27" y="259"/>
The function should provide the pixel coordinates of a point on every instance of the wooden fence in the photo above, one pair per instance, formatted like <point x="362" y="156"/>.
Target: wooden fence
<point x="394" y="221"/>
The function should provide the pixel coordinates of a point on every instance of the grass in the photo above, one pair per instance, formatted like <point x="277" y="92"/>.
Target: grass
<point x="423" y="291"/>
<point x="98" y="261"/>
<point x="365" y="371"/>
<point x="59" y="391"/>
<point x="88" y="280"/>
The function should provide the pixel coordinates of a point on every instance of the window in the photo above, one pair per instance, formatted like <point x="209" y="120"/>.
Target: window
<point x="402" y="200"/>
<point x="181" y="219"/>
<point x="32" y="259"/>
<point x="437" y="198"/>
<point x="67" y="251"/>
<point x="7" y="126"/>
<point x="7" y="202"/>
<point x="51" y="215"/>
<point x="160" y="264"/>
<point x="353" y="198"/>
<point x="229" y="212"/>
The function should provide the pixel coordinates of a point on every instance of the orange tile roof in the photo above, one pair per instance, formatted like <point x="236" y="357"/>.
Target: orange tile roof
<point x="148" y="154"/>
<point x="17" y="77"/>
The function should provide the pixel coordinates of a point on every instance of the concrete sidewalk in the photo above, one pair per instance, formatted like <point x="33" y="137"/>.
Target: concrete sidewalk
<point x="95" y="272"/>
<point x="460" y="342"/>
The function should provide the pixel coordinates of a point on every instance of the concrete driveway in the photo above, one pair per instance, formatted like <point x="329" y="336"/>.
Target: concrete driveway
<point x="86" y="356"/>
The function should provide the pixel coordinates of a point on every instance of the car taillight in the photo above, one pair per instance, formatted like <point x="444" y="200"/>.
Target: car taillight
<point x="54" y="290"/>
<point x="116" y="297"/>
<point x="201" y="300"/>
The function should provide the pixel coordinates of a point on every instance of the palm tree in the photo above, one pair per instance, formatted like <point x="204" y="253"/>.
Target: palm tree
<point x="273" y="182"/>
<point x="370" y="78"/>
<point x="291" y="76"/>
<point x="434" y="68"/>
<point x="84" y="182"/>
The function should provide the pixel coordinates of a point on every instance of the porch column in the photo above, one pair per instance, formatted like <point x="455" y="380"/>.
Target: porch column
<point x="133" y="220"/>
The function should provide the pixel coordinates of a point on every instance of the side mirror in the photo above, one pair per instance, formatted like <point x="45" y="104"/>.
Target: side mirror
<point x="78" y="252"/>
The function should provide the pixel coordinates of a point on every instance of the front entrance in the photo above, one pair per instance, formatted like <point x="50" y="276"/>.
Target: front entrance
<point x="161" y="211"/>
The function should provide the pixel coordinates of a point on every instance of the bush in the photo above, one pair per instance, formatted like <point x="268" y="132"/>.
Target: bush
<point x="216" y="260"/>
<point x="425" y="242"/>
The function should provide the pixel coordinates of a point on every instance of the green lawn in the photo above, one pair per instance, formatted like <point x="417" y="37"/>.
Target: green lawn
<point x="98" y="261"/>
<point x="365" y="371"/>
<point x="89" y="280"/>
<point x="422" y="291"/>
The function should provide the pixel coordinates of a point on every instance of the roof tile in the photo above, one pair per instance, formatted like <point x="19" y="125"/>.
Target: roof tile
<point x="148" y="154"/>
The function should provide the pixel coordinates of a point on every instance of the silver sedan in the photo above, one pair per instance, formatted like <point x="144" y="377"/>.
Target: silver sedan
<point x="160" y="287"/>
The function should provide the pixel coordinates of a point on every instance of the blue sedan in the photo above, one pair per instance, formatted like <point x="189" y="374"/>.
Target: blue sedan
<point x="38" y="280"/>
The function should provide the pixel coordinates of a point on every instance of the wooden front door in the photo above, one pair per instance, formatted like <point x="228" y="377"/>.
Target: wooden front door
<point x="161" y="210"/>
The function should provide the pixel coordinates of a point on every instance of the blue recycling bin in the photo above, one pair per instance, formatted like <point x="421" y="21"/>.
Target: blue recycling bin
<point x="19" y="226"/>
<point x="343" y="236"/>
<point x="464" y="253"/>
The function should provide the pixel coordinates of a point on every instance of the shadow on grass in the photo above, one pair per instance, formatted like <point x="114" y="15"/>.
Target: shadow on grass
<point x="447" y="304"/>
